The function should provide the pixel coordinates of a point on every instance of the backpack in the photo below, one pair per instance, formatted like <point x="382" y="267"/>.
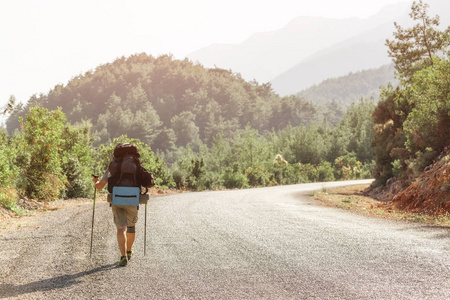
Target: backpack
<point x="126" y="169"/>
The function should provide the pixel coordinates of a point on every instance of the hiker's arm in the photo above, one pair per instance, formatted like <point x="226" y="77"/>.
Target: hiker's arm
<point x="99" y="184"/>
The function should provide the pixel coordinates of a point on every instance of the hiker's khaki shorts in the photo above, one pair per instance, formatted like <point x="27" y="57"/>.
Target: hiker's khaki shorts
<point x="125" y="215"/>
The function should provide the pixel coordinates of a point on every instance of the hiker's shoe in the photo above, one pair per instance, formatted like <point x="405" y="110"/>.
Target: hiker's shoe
<point x="123" y="261"/>
<point x="130" y="254"/>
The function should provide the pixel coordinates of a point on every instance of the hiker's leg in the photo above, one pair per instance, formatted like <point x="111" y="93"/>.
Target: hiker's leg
<point x="130" y="240"/>
<point x="120" y="219"/>
<point x="132" y="218"/>
<point x="131" y="235"/>
<point x="122" y="240"/>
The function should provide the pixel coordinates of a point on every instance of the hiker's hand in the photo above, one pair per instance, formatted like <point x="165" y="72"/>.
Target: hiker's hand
<point x="94" y="178"/>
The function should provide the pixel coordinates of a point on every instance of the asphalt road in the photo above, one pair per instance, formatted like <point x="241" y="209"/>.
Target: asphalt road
<point x="270" y="243"/>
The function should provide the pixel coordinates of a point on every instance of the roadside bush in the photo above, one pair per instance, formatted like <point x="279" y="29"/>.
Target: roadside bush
<point x="41" y="140"/>
<point x="278" y="173"/>
<point x="346" y="167"/>
<point x="309" y="171"/>
<point x="397" y="168"/>
<point x="8" y="171"/>
<point x="421" y="160"/>
<point x="189" y="174"/>
<point x="78" y="177"/>
<point x="196" y="172"/>
<point x="257" y="176"/>
<point x="8" y="198"/>
<point x="211" y="181"/>
<point x="234" y="179"/>
<point x="163" y="176"/>
<point x="179" y="177"/>
<point x="293" y="174"/>
<point x="326" y="171"/>
<point x="77" y="160"/>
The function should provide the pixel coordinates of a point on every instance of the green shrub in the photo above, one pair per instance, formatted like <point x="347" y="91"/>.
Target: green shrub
<point x="421" y="160"/>
<point x="179" y="177"/>
<point x="234" y="178"/>
<point x="397" y="168"/>
<point x="294" y="174"/>
<point x="211" y="181"/>
<point x="8" y="198"/>
<point x="77" y="160"/>
<point x="7" y="172"/>
<point x="41" y="141"/>
<point x="367" y="170"/>
<point x="309" y="171"/>
<point x="326" y="171"/>
<point x="78" y="177"/>
<point x="346" y="166"/>
<point x="257" y="176"/>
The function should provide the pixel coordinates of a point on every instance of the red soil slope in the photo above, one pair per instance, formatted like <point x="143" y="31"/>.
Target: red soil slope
<point x="429" y="193"/>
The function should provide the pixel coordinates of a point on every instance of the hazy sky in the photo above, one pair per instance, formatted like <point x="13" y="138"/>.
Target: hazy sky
<point x="46" y="42"/>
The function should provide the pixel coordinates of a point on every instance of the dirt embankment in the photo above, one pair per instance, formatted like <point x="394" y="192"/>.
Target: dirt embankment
<point x="429" y="194"/>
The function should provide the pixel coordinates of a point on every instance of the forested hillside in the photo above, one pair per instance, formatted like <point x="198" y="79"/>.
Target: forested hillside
<point x="168" y="103"/>
<point x="349" y="89"/>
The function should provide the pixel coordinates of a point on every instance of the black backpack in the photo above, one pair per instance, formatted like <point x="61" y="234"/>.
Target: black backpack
<point x="126" y="169"/>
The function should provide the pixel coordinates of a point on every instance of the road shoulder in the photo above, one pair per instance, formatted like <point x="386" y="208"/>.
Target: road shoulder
<point x="351" y="198"/>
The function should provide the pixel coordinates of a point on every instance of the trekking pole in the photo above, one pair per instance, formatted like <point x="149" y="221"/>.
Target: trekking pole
<point x="93" y="214"/>
<point x="145" y="229"/>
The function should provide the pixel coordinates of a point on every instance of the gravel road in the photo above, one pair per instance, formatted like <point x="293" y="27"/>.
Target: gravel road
<point x="269" y="243"/>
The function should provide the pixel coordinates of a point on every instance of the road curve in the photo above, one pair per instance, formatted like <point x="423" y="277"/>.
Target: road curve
<point x="268" y="243"/>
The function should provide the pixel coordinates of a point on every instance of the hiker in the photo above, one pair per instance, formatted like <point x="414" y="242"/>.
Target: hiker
<point x="125" y="172"/>
<point x="125" y="218"/>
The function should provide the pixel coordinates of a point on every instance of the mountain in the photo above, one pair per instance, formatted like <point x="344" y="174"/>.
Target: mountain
<point x="350" y="88"/>
<point x="309" y="50"/>
<point x="264" y="56"/>
<point x="366" y="50"/>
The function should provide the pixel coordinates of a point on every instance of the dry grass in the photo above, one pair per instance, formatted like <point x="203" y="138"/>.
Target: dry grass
<point x="352" y="198"/>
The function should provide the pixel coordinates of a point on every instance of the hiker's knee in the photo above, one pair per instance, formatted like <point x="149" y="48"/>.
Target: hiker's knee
<point x="121" y="230"/>
<point x="131" y="229"/>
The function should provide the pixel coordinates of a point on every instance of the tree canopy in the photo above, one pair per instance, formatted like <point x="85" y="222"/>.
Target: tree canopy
<point x="412" y="120"/>
<point x="413" y="49"/>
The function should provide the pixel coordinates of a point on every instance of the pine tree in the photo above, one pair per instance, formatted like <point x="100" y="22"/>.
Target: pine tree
<point x="413" y="48"/>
